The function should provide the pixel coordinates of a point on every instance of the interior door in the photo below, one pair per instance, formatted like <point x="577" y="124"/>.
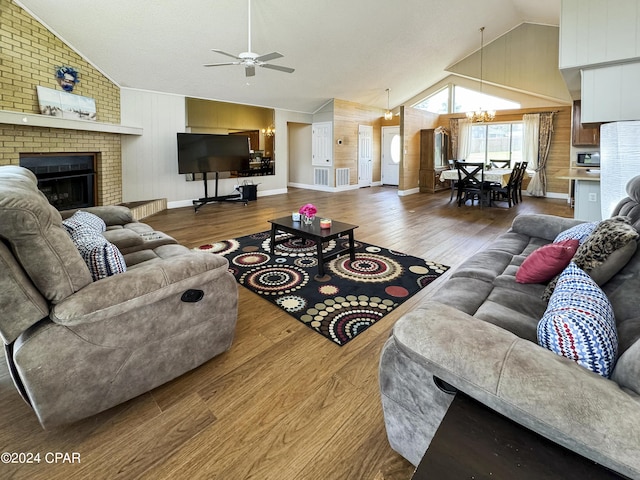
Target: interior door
<point x="365" y="155"/>
<point x="391" y="155"/>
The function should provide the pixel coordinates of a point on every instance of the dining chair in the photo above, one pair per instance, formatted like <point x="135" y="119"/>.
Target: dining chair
<point x="510" y="191"/>
<point x="523" y="172"/>
<point x="471" y="183"/>
<point x="500" y="163"/>
<point x="454" y="183"/>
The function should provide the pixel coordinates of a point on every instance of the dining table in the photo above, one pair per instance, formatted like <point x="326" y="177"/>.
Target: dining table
<point x="495" y="175"/>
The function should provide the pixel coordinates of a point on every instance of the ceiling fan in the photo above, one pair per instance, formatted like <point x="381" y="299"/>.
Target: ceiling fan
<point x="249" y="59"/>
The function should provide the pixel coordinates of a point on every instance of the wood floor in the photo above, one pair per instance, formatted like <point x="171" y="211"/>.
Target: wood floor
<point x="283" y="403"/>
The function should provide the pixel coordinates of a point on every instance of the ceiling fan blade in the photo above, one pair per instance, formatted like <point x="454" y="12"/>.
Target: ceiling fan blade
<point x="225" y="53"/>
<point x="249" y="70"/>
<point x="279" y="68"/>
<point x="269" y="56"/>
<point x="220" y="64"/>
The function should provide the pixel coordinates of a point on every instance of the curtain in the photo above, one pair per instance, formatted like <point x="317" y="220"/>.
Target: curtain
<point x="453" y="128"/>
<point x="464" y="138"/>
<point x="538" y="184"/>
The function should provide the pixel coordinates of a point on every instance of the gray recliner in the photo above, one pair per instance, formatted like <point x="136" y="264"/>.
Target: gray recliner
<point x="75" y="346"/>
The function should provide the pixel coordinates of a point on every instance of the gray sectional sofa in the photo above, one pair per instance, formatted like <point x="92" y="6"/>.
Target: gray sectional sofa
<point x="100" y="308"/>
<point x="479" y="335"/>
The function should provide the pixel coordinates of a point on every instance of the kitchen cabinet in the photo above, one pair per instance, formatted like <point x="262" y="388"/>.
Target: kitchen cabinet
<point x="584" y="135"/>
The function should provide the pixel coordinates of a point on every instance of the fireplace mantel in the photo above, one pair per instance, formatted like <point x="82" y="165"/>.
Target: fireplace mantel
<point x="36" y="120"/>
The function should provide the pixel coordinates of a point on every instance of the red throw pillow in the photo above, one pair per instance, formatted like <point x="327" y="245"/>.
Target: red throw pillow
<point x="546" y="262"/>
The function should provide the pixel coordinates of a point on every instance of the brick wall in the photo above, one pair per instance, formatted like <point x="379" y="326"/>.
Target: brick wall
<point x="29" y="54"/>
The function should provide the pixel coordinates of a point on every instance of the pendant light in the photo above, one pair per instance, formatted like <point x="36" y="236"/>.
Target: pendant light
<point x="388" y="115"/>
<point x="481" y="115"/>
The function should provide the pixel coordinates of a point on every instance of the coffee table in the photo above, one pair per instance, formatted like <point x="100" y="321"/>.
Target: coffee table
<point x="473" y="441"/>
<point x="318" y="235"/>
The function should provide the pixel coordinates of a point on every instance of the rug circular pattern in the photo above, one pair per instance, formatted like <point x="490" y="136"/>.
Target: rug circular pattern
<point x="291" y="303"/>
<point x="222" y="247"/>
<point x="329" y="289"/>
<point x="306" y="262"/>
<point x="296" y="247"/>
<point x="425" y="280"/>
<point x="342" y="318"/>
<point x="252" y="259"/>
<point x="275" y="280"/>
<point x="367" y="267"/>
<point x="396" y="291"/>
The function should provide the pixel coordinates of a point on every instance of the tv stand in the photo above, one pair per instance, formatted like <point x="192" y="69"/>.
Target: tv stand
<point x="216" y="198"/>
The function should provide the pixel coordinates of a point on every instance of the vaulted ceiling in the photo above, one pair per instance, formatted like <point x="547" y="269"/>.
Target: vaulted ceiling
<point x="348" y="49"/>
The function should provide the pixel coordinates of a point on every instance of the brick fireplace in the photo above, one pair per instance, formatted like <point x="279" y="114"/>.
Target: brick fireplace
<point x="20" y="140"/>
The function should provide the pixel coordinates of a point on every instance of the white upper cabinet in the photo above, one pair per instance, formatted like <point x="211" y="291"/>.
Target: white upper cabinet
<point x="595" y="32"/>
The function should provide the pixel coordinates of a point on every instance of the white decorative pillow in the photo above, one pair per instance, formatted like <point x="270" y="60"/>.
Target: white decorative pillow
<point x="579" y="323"/>
<point x="580" y="232"/>
<point x="84" y="219"/>
<point x="102" y="257"/>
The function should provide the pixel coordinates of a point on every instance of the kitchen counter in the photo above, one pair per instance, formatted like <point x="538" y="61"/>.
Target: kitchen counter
<point x="585" y="192"/>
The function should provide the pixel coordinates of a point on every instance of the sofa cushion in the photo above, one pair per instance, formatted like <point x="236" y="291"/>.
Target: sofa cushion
<point x="547" y="261"/>
<point x="82" y="219"/>
<point x="579" y="323"/>
<point x="610" y="235"/>
<point x="102" y="257"/>
<point x="580" y="232"/>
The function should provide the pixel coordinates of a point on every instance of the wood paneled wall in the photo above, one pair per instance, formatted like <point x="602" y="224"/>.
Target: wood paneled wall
<point x="347" y="116"/>
<point x="412" y="121"/>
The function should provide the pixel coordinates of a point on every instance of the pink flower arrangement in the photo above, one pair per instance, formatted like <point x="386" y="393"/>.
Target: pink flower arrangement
<point x="309" y="210"/>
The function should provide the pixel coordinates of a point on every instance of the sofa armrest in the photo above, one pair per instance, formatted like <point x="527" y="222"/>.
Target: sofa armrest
<point x="533" y="386"/>
<point x="542" y="226"/>
<point x="111" y="214"/>
<point x="125" y="292"/>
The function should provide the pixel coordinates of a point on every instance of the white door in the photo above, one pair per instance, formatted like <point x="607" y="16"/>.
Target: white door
<point x="322" y="144"/>
<point x="365" y="155"/>
<point x="391" y="155"/>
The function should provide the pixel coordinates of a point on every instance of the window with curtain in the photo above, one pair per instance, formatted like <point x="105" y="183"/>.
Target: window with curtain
<point x="495" y="141"/>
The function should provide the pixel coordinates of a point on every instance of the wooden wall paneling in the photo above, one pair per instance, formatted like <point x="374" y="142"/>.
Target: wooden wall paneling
<point x="412" y="121"/>
<point x="346" y="118"/>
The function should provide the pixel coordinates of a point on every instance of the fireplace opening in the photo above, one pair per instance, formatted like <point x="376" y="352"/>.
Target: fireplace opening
<point x="66" y="179"/>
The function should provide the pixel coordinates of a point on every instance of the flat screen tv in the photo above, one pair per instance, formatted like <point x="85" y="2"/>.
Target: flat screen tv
<point x="205" y="152"/>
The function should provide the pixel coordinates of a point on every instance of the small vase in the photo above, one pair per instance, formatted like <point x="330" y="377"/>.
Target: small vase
<point x="307" y="219"/>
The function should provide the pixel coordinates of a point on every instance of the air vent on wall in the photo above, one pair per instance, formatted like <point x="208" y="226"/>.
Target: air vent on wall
<point x="321" y="176"/>
<point x="342" y="177"/>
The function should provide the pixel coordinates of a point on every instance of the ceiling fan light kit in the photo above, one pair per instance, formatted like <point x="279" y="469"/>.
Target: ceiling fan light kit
<point x="249" y="59"/>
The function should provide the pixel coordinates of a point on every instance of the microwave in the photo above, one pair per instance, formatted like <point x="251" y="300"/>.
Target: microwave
<point x="588" y="159"/>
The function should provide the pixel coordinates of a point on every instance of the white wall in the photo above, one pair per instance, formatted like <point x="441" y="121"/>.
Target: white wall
<point x="150" y="163"/>
<point x="300" y="151"/>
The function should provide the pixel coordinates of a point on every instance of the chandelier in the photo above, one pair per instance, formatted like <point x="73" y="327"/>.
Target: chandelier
<point x="481" y="115"/>
<point x="270" y="131"/>
<point x="388" y="115"/>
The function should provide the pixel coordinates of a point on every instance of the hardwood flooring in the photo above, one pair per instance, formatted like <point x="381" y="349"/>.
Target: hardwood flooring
<point x="283" y="403"/>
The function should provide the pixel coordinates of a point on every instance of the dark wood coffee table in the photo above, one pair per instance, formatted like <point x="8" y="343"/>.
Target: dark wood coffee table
<point x="317" y="234"/>
<point x="474" y="442"/>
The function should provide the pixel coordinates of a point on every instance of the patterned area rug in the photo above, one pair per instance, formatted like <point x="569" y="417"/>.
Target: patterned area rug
<point x="351" y="296"/>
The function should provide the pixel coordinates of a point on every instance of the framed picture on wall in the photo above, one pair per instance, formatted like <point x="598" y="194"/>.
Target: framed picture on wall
<point x="67" y="105"/>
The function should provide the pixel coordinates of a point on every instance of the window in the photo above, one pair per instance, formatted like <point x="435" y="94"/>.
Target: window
<point x="496" y="141"/>
<point x="466" y="100"/>
<point x="436" y="103"/>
